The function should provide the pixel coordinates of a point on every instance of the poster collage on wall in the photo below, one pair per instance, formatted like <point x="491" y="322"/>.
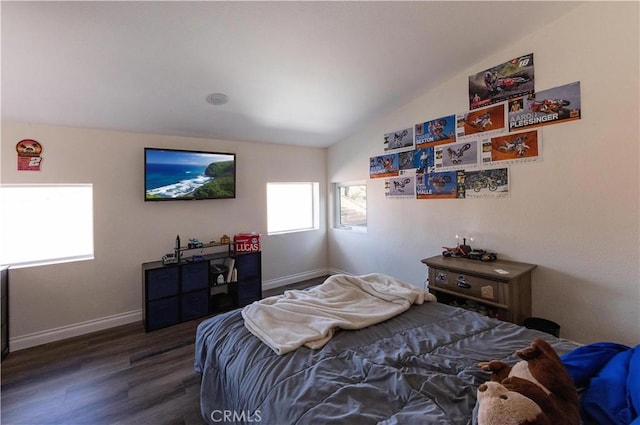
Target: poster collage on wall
<point x="468" y="154"/>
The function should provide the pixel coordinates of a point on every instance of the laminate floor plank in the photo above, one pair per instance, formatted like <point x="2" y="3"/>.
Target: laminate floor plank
<point x="119" y="376"/>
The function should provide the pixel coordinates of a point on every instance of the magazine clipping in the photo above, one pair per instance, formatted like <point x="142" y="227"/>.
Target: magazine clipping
<point x="383" y="166"/>
<point x="511" y="79"/>
<point x="512" y="148"/>
<point x="444" y="185"/>
<point x="400" y="187"/>
<point x="436" y="132"/>
<point x="489" y="183"/>
<point x="399" y="140"/>
<point x="551" y="106"/>
<point x="457" y="156"/>
<point x="416" y="161"/>
<point x="488" y="120"/>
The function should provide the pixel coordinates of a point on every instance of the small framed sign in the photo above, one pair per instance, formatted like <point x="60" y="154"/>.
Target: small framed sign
<point x="29" y="158"/>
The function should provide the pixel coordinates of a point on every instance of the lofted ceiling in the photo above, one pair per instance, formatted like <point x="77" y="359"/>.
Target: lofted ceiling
<point x="302" y="73"/>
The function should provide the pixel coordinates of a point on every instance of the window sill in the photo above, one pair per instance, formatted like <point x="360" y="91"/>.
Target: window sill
<point x="356" y="229"/>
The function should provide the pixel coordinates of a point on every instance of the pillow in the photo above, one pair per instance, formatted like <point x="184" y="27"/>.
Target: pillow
<point x="585" y="362"/>
<point x="606" y="400"/>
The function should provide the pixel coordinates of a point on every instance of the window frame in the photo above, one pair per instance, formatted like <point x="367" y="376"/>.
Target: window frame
<point x="42" y="244"/>
<point x="338" y="207"/>
<point x="314" y="207"/>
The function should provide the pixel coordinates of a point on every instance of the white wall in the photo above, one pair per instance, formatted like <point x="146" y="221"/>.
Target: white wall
<point x="57" y="301"/>
<point x="575" y="214"/>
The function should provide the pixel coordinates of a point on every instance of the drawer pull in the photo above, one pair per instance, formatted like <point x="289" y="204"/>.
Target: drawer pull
<point x="462" y="283"/>
<point x="441" y="278"/>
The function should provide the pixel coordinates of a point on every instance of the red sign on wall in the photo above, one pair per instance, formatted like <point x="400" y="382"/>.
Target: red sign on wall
<point x="29" y="158"/>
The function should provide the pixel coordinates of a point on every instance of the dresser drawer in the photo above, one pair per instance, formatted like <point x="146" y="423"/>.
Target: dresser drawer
<point x="162" y="282"/>
<point x="469" y="285"/>
<point x="162" y="313"/>
<point x="195" y="276"/>
<point x="194" y="304"/>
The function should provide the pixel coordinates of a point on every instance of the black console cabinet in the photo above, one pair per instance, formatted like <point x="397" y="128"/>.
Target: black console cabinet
<point x="176" y="293"/>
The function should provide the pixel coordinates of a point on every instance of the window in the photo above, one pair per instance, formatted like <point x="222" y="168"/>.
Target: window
<point x="292" y="207"/>
<point x="351" y="206"/>
<point x="43" y="224"/>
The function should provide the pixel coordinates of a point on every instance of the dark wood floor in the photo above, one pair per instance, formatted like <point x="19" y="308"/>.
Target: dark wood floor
<point x="117" y="376"/>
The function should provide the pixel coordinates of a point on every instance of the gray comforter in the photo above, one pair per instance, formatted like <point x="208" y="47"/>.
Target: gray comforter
<point x="416" y="368"/>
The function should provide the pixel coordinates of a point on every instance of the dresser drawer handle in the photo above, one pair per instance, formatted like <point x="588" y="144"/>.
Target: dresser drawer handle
<point x="441" y="278"/>
<point x="462" y="283"/>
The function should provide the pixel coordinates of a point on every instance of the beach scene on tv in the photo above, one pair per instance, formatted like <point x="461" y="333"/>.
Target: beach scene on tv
<point x="173" y="174"/>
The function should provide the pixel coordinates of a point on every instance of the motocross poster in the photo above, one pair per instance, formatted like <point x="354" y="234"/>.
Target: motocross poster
<point x="456" y="155"/>
<point x="399" y="140"/>
<point x="551" y="106"/>
<point x="444" y="185"/>
<point x="400" y="187"/>
<point x="384" y="166"/>
<point x="416" y="161"/>
<point x="436" y="132"/>
<point x="512" y="148"/>
<point x="511" y="79"/>
<point x="490" y="183"/>
<point x="486" y="120"/>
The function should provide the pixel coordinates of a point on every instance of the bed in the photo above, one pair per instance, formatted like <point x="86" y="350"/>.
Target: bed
<point x="417" y="367"/>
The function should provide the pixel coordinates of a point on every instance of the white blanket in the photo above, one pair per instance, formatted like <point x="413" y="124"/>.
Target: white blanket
<point x="310" y="317"/>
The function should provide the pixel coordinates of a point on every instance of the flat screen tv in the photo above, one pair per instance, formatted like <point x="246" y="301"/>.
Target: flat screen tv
<point x="173" y="174"/>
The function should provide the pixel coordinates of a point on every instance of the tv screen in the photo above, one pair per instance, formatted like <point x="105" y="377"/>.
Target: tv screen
<point x="172" y="174"/>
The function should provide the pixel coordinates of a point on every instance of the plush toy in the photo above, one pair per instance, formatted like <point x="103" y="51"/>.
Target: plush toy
<point x="535" y="391"/>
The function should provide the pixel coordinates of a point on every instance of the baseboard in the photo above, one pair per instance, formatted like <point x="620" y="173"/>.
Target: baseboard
<point x="338" y="271"/>
<point x="64" y="332"/>
<point x="70" y="331"/>
<point x="295" y="278"/>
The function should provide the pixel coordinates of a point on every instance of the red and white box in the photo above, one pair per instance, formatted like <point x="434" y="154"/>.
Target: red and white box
<point x="247" y="242"/>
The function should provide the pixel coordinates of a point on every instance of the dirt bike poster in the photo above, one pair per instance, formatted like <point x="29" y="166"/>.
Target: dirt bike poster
<point x="551" y="106"/>
<point x="489" y="183"/>
<point x="457" y="155"/>
<point x="399" y="140"/>
<point x="400" y="187"/>
<point x="436" y="132"/>
<point x="512" y="148"/>
<point x="510" y="79"/>
<point x="384" y="166"/>
<point x="444" y="185"/>
<point x="487" y="120"/>
<point x="416" y="161"/>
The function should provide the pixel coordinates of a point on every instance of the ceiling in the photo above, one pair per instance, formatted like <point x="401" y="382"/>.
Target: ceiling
<point x="302" y="73"/>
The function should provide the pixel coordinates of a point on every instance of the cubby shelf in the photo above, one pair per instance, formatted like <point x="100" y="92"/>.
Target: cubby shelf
<point x="189" y="289"/>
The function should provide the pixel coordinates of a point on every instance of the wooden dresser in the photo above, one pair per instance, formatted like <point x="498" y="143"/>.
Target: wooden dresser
<point x="500" y="289"/>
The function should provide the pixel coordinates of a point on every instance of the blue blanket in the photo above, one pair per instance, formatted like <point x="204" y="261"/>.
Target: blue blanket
<point x="609" y="376"/>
